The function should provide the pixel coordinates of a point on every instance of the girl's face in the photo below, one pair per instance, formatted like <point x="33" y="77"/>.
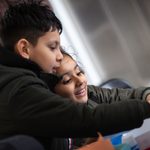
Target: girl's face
<point x="73" y="83"/>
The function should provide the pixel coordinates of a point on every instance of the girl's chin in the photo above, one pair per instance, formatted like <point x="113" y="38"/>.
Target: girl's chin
<point x="84" y="100"/>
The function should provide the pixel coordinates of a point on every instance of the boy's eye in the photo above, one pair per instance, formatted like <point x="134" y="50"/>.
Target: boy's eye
<point x="53" y="47"/>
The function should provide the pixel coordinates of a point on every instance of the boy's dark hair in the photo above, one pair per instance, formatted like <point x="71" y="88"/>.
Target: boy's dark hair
<point x="28" y="19"/>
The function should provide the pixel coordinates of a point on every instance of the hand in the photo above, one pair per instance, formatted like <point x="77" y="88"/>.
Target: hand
<point x="100" y="144"/>
<point x="148" y="98"/>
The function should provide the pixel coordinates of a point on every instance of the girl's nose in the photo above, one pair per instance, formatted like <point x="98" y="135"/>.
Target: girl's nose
<point x="79" y="81"/>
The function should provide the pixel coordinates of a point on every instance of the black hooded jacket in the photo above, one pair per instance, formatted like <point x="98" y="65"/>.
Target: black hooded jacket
<point x="27" y="106"/>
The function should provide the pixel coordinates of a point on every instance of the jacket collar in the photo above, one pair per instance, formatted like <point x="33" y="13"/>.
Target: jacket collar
<point x="11" y="59"/>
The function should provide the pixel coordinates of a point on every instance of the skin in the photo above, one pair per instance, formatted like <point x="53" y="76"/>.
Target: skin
<point x="46" y="53"/>
<point x="73" y="83"/>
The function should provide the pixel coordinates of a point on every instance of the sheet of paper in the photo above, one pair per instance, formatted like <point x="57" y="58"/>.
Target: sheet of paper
<point x="143" y="140"/>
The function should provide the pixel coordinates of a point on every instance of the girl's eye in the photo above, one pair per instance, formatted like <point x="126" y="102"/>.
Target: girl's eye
<point x="80" y="73"/>
<point x="66" y="81"/>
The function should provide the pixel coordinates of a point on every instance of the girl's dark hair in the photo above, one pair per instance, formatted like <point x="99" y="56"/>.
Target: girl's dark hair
<point x="65" y="53"/>
<point x="28" y="19"/>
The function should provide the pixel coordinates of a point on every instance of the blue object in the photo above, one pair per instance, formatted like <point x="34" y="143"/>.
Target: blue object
<point x="116" y="139"/>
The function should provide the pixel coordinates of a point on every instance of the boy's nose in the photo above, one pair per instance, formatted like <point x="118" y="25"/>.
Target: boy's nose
<point x="59" y="56"/>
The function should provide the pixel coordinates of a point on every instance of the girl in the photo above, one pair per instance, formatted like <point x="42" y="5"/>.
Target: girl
<point x="71" y="82"/>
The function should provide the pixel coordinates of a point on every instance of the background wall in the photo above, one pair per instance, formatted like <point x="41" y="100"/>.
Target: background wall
<point x="115" y="35"/>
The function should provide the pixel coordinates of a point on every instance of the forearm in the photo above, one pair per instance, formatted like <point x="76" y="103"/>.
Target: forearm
<point x="46" y="114"/>
<point x="123" y="116"/>
<point x="101" y="95"/>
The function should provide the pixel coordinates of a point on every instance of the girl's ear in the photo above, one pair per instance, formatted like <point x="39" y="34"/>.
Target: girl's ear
<point x="22" y="48"/>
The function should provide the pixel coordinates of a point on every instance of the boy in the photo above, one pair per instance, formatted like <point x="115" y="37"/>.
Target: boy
<point x="30" y="39"/>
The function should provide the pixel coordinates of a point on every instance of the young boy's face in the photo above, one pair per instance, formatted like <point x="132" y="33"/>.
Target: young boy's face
<point x="73" y="83"/>
<point x="46" y="53"/>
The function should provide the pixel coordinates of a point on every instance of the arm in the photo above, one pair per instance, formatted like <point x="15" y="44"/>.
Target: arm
<point x="103" y="95"/>
<point x="37" y="111"/>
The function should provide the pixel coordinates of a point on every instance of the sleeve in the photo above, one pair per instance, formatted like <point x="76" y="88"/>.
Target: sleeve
<point x="103" y="95"/>
<point x="37" y="111"/>
<point x="146" y="93"/>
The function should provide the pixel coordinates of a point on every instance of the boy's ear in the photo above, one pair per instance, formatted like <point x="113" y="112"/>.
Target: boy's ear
<point x="22" y="48"/>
